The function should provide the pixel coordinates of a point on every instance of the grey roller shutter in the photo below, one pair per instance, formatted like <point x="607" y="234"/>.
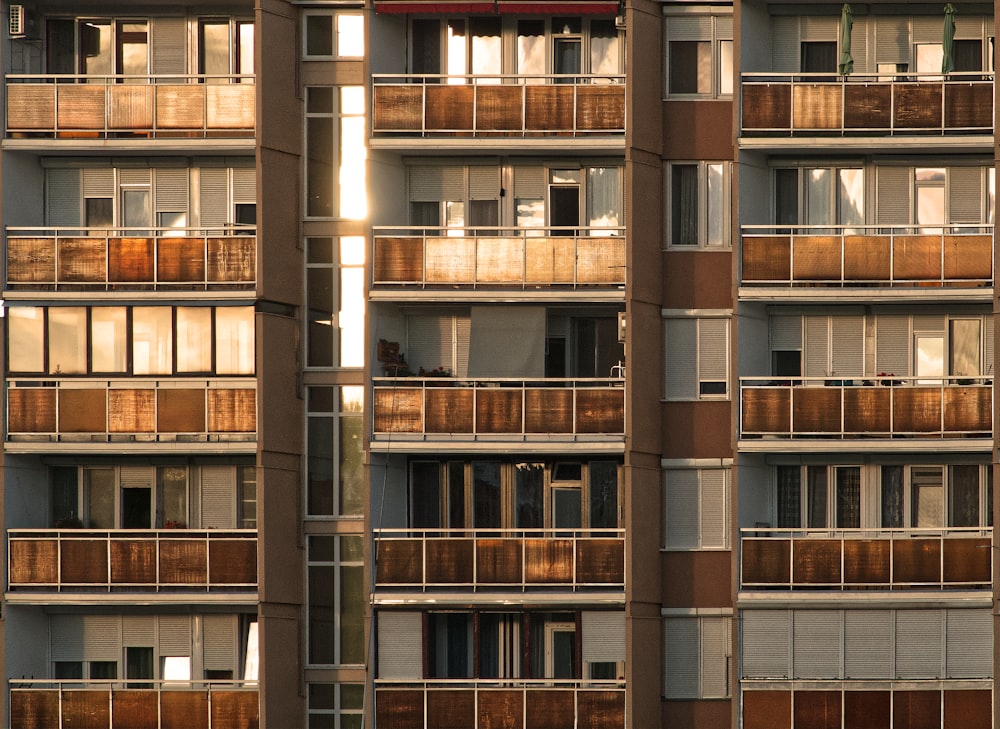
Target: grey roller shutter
<point x="785" y="49"/>
<point x="484" y="183"/>
<point x="429" y="340"/>
<point x="786" y="333"/>
<point x="714" y="508"/>
<point x="134" y="176"/>
<point x="603" y="636"/>
<point x="138" y="630"/>
<point x="988" y="339"/>
<point x="218" y="497"/>
<point x="965" y="194"/>
<point x="848" y="347"/>
<point x="64" y="201"/>
<point x="399" y="645"/>
<point x="969" y="27"/>
<point x="893" y="189"/>
<point x="927" y="28"/>
<point x="715" y="642"/>
<point x="689" y="28"/>
<point x="766" y="643"/>
<point x="892" y="39"/>
<point x="969" y="650"/>
<point x="168" y="45"/>
<point x="682" y="509"/>
<point x="245" y="185"/>
<point x="713" y="350"/>
<point x="99" y="182"/>
<point x="66" y="637"/>
<point x="819" y="27"/>
<point x="723" y="27"/>
<point x="174" y="635"/>
<point x="220" y="642"/>
<point x="682" y="359"/>
<point x="859" y="45"/>
<point x="682" y="659"/>
<point x="463" y="334"/>
<point x="137" y="476"/>
<point x="171" y="190"/>
<point x="817" y="641"/>
<point x="436" y="184"/>
<point x="929" y="323"/>
<point x="868" y="644"/>
<point x="102" y="638"/>
<point x="817" y="346"/>
<point x="529" y="182"/>
<point x="892" y="344"/>
<point x="214" y="197"/>
<point x="918" y="644"/>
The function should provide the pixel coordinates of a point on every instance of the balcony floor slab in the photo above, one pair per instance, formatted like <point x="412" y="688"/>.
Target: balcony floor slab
<point x="864" y="445"/>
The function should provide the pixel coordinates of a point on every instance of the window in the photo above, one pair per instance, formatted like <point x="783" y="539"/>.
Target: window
<point x="335" y="291"/>
<point x="700" y="56"/>
<point x="335" y="476"/>
<point x="818" y="57"/>
<point x="329" y="35"/>
<point x="697" y="358"/>
<point x="698" y="208"/>
<point x="819" y="196"/>
<point x="336" y="705"/>
<point x="225" y="47"/>
<point x="336" y="600"/>
<point x="698" y="652"/>
<point x="697" y="508"/>
<point x="936" y="496"/>
<point x="335" y="152"/>
<point x="818" y="497"/>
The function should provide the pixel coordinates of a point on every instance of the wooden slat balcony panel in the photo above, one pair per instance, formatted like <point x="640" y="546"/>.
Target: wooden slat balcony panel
<point x="968" y="105"/>
<point x="34" y="561"/>
<point x="184" y="710"/>
<point x="971" y="709"/>
<point x="129" y="411"/>
<point x="449" y="409"/>
<point x="131" y="106"/>
<point x="600" y="410"/>
<point x="867" y="410"/>
<point x="399" y="562"/>
<point x="552" y="709"/>
<point x="917" y="257"/>
<point x="600" y="260"/>
<point x="549" y="260"/>
<point x="82" y="260"/>
<point x="400" y="709"/>
<point x="867" y="258"/>
<point x="398" y="410"/>
<point x="816" y="410"/>
<point x="601" y="709"/>
<point x="816" y="106"/>
<point x="34" y="709"/>
<point x="85" y="710"/>
<point x="450" y="260"/>
<point x="232" y="561"/>
<point x="84" y="561"/>
<point x="499" y="410"/>
<point x="817" y="710"/>
<point x="916" y="410"/>
<point x="767" y="258"/>
<point x="548" y="561"/>
<point x="966" y="561"/>
<point x="968" y="257"/>
<point x="134" y="709"/>
<point x="600" y="108"/>
<point x="451" y="709"/>
<point x="130" y="260"/>
<point x="398" y="260"/>
<point x="232" y="410"/>
<point x="816" y="258"/>
<point x="816" y="561"/>
<point x="914" y="709"/>
<point x="133" y="562"/>
<point x="450" y="561"/>
<point x="31" y="106"/>
<point x="180" y="259"/>
<point x="548" y="410"/>
<point x="180" y="106"/>
<point x="232" y="259"/>
<point x="180" y="410"/>
<point x="229" y="106"/>
<point x="768" y="709"/>
<point x="81" y="106"/>
<point x="183" y="562"/>
<point x="499" y="108"/>
<point x="916" y="106"/>
<point x="600" y="561"/>
<point x="767" y="561"/>
<point x="916" y="561"/>
<point x="867" y="708"/>
<point x="767" y="106"/>
<point x="766" y="410"/>
<point x="398" y="108"/>
<point x="83" y="411"/>
<point x="501" y="709"/>
<point x="867" y="561"/>
<point x="498" y="561"/>
<point x="31" y="260"/>
<point x="868" y="106"/>
<point x="235" y="709"/>
<point x="967" y="409"/>
<point x="31" y="410"/>
<point x="449" y="108"/>
<point x="548" y="108"/>
<point x="499" y="260"/>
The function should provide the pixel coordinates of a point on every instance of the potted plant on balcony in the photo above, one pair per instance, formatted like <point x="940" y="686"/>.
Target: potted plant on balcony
<point x="69" y="522"/>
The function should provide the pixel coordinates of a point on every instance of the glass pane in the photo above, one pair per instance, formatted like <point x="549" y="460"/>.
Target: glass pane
<point x="603" y="196"/>
<point x="603" y="494"/>
<point x="817" y="498"/>
<point x="245" y="54"/>
<point x="194" y="339"/>
<point x="605" y="48"/>
<point x="425" y="495"/>
<point x="352" y="317"/>
<point x="99" y="212"/>
<point x="322" y="617"/>
<point x="726" y="68"/>
<point x="567" y="508"/>
<point x="963" y="496"/>
<point x="819" y="197"/>
<point x="350" y="36"/>
<point x="456" y="495"/>
<point x="892" y="497"/>
<point x="690" y="67"/>
<point x="319" y="295"/>
<point x="214" y="54"/>
<point x="566" y="58"/>
<point x="965" y="338"/>
<point x="67" y="340"/>
<point x="65" y="497"/>
<point x="152" y="340"/>
<point x="848" y="498"/>
<point x="100" y="487"/>
<point x="684" y="205"/>
<point x="529" y="486"/>
<point x="173" y="483"/>
<point x="319" y="484"/>
<point x="486" y="49"/>
<point x="930" y="208"/>
<point x="133" y="38"/>
<point x="926" y="497"/>
<point x="352" y="613"/>
<point x="175" y="668"/>
<point x="136" y="208"/>
<point x="234" y="340"/>
<point x="352" y="478"/>
<point x="26" y="329"/>
<point x="353" y="197"/>
<point x="319" y="35"/>
<point x="789" y="497"/>
<point x="851" y="197"/>
<point x="716" y="232"/>
<point x="319" y="166"/>
<point x="95" y="48"/>
<point x="929" y="358"/>
<point x="139" y="664"/>
<point x="531" y="48"/>
<point x="486" y="494"/>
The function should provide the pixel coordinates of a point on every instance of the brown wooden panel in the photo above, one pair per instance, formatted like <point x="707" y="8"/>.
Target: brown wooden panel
<point x="498" y="410"/>
<point x="31" y="106"/>
<point x="499" y="260"/>
<point x="232" y="410"/>
<point x="131" y="411"/>
<point x="232" y="561"/>
<point x="82" y="411"/>
<point x="816" y="258"/>
<point x="548" y="561"/>
<point x="548" y="410"/>
<point x="816" y="106"/>
<point x="449" y="108"/>
<point x="498" y="561"/>
<point x="183" y="562"/>
<point x="499" y="108"/>
<point x="968" y="709"/>
<point x="916" y="710"/>
<point x="867" y="106"/>
<point x="84" y="561"/>
<point x="817" y="710"/>
<point x="549" y="260"/>
<point x="85" y="710"/>
<point x="131" y="106"/>
<point x="916" y="258"/>
<point x="766" y="410"/>
<point x="448" y="409"/>
<point x="34" y="709"/>
<point x="867" y="410"/>
<point x="180" y="106"/>
<point x="184" y="710"/>
<point x="232" y="259"/>
<point x="916" y="106"/>
<point x="967" y="409"/>
<point x="180" y="411"/>
<point x="450" y="260"/>
<point x="229" y="106"/>
<point x="399" y="561"/>
<point x="449" y="561"/>
<point x="816" y="410"/>
<point x="235" y="710"/>
<point x="549" y="710"/>
<point x="81" y="106"/>
<point x="399" y="709"/>
<point x="600" y="108"/>
<point x="134" y="709"/>
<point x="767" y="561"/>
<point x="130" y="259"/>
<point x="180" y="259"/>
<point x="548" y="108"/>
<point x="966" y="560"/>
<point x="767" y="258"/>
<point x="133" y="561"/>
<point x="916" y="409"/>
<point x="767" y="710"/>
<point x="968" y="105"/>
<point x="398" y="410"/>
<point x="398" y="108"/>
<point x="398" y="259"/>
<point x="766" y="106"/>
<point x="82" y="260"/>
<point x="866" y="709"/>
<point x="601" y="260"/>
<point x="31" y="410"/>
<point x="867" y="561"/>
<point x="31" y="260"/>
<point x="816" y="561"/>
<point x="501" y="710"/>
<point x="34" y="561"/>
<point x="600" y="561"/>
<point x="867" y="258"/>
<point x="916" y="561"/>
<point x="454" y="709"/>
<point x="600" y="410"/>
<point x="968" y="257"/>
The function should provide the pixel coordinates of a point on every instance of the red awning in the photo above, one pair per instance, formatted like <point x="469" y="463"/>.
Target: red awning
<point x="570" y="7"/>
<point x="399" y="7"/>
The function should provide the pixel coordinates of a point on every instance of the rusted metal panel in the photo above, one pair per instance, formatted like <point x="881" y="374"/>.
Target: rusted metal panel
<point x="865" y="709"/>
<point x="232" y="410"/>
<point x="400" y="709"/>
<point x="81" y="106"/>
<point x="816" y="561"/>
<point x="34" y="709"/>
<point x="499" y="108"/>
<point x="499" y="260"/>
<point x="867" y="258"/>
<point x="451" y="709"/>
<point x="972" y="709"/>
<point x="915" y="709"/>
<point x="548" y="410"/>
<point x="398" y="410"/>
<point x="31" y="260"/>
<point x="82" y="259"/>
<point x="31" y="106"/>
<point x="817" y="710"/>
<point x="448" y="409"/>
<point x="183" y="562"/>
<point x="767" y="709"/>
<point x="916" y="561"/>
<point x="550" y="260"/>
<point x="767" y="106"/>
<point x="816" y="106"/>
<point x="498" y="410"/>
<point x="548" y="561"/>
<point x="184" y="710"/>
<point x="131" y="411"/>
<point x="398" y="260"/>
<point x="450" y="260"/>
<point x="548" y="108"/>
<point x="968" y="257"/>
<point x="501" y="709"/>
<point x="232" y="561"/>
<point x="133" y="561"/>
<point x="180" y="260"/>
<point x="968" y="105"/>
<point x="600" y="108"/>
<point x="232" y="259"/>
<point x="399" y="561"/>
<point x="816" y="410"/>
<point x="600" y="260"/>
<point x="600" y="410"/>
<point x="449" y="108"/>
<point x="83" y="709"/>
<point x="34" y="561"/>
<point x="549" y="710"/>
<point x="31" y="410"/>
<point x="131" y="106"/>
<point x="134" y="709"/>
<point x="180" y="410"/>
<point x="867" y="562"/>
<point x="499" y="561"/>
<point x="966" y="561"/>
<point x="816" y="258"/>
<point x="83" y="411"/>
<point x="229" y="106"/>
<point x="916" y="257"/>
<point x="450" y="561"/>
<point x="916" y="409"/>
<point x="868" y="106"/>
<point x="767" y="258"/>
<point x="867" y="410"/>
<point x="767" y="561"/>
<point x="180" y="106"/>
<point x="398" y="108"/>
<point x="916" y="106"/>
<point x="130" y="260"/>
<point x="968" y="409"/>
<point x="235" y="710"/>
<point x="600" y="561"/>
<point x="84" y="561"/>
<point x="766" y="410"/>
<point x="601" y="709"/>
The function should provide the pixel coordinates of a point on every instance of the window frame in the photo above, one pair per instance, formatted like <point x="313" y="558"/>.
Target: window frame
<point x="334" y="16"/>
<point x="333" y="566"/>
<point x="703" y="202"/>
<point x="716" y="35"/>
<point x="341" y="152"/>
<point x="336" y="405"/>
<point x="342" y="268"/>
<point x="696" y="346"/>
<point x="702" y="655"/>
<point x="702" y="540"/>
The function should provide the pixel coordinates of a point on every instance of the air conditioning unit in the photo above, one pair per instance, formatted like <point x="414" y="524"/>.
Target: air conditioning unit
<point x="620" y="22"/>
<point x="16" y="27"/>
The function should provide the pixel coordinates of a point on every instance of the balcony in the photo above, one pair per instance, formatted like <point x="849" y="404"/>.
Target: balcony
<point x="885" y="406"/>
<point x="519" y="106"/>
<point x="46" y="704"/>
<point x="69" y="560"/>
<point x="866" y="105"/>
<point x="161" y="259"/>
<point x="497" y="409"/>
<point x="490" y="559"/>
<point x="64" y="106"/>
<point x="554" y="704"/>
<point x="857" y="559"/>
<point x="588" y="259"/>
<point x="130" y="411"/>
<point x="842" y="257"/>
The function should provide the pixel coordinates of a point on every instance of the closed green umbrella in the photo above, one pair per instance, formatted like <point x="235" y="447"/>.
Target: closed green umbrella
<point x="846" y="64"/>
<point x="948" y="40"/>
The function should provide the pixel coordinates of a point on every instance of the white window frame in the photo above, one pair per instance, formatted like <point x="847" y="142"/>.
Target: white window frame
<point x="702" y="336"/>
<point x="700" y="27"/>
<point x="695" y="672"/>
<point x="687" y="494"/>
<point x="706" y="209"/>
<point x="335" y="16"/>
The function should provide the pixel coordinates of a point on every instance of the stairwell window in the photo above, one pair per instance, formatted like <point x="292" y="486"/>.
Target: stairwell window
<point x="700" y="56"/>
<point x="698" y="204"/>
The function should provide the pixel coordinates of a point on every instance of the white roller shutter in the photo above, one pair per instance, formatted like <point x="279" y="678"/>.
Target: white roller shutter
<point x="817" y="643"/>
<point x="682" y="509"/>
<point x="766" y="644"/>
<point x="174" y="635"/>
<point x="819" y="27"/>
<point x="171" y="190"/>
<point x="713" y="350"/>
<point x="892" y="39"/>
<point x="603" y="636"/>
<point x="682" y="658"/>
<point x="463" y="332"/>
<point x="484" y="183"/>
<point x="785" y="49"/>
<point x="892" y="344"/>
<point x="245" y="185"/>
<point x="988" y="343"/>
<point x="529" y="182"/>
<point x="168" y="46"/>
<point x="218" y="497"/>
<point x="99" y="182"/>
<point x="134" y="176"/>
<point x="848" y="346"/>
<point x="817" y="346"/>
<point x="436" y="184"/>
<point x="918" y="643"/>
<point x="430" y="340"/>
<point x="868" y="644"/>
<point x="969" y="649"/>
<point x="928" y="28"/>
<point x="138" y="630"/>
<point x="220" y="642"/>
<point x="893" y="190"/>
<point x="214" y="197"/>
<point x="102" y="638"/>
<point x="785" y="332"/>
<point x="723" y="27"/>
<point x="399" y="645"/>
<point x="965" y="194"/>
<point x="63" y="203"/>
<point x="929" y="323"/>
<point x="714" y="507"/>
<point x="715" y="642"/>
<point x="859" y="45"/>
<point x="682" y="359"/>
<point x="137" y="476"/>
<point x="689" y="28"/>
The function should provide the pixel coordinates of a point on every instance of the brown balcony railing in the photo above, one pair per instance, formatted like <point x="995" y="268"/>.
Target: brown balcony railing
<point x="500" y="703"/>
<point x="47" y="704"/>
<point x="883" y="406"/>
<point x="131" y="410"/>
<point x="121" y="560"/>
<point x="498" y="105"/>
<point x="863" y="256"/>
<point x="499" y="257"/>
<point x="68" y="106"/>
<point x="484" y="559"/>
<point x="96" y="259"/>
<point x="879" y="104"/>
<point x="847" y="559"/>
<point x="497" y="407"/>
